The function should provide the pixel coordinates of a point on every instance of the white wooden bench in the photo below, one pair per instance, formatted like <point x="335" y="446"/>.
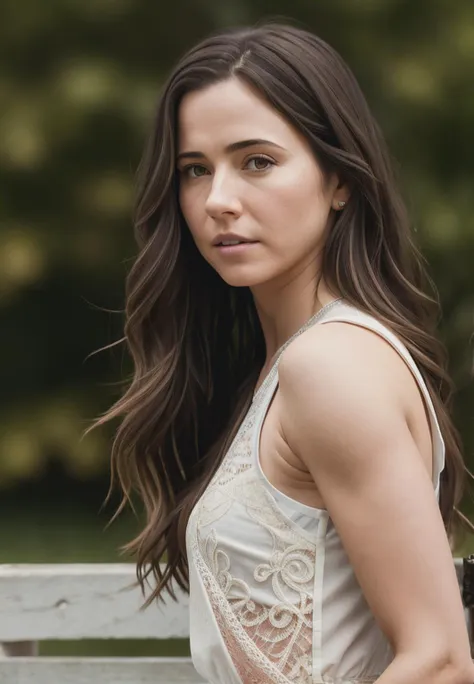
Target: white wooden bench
<point x="85" y="601"/>
<point x="97" y="601"/>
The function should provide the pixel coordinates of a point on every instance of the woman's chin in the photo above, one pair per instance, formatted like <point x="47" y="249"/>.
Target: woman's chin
<point x="235" y="279"/>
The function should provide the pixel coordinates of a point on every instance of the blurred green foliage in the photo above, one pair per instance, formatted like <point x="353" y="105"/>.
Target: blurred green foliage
<point x="78" y="85"/>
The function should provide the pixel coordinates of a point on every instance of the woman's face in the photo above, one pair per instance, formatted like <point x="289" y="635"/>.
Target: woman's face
<point x="244" y="170"/>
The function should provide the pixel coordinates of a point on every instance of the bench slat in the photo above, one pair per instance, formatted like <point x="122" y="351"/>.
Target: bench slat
<point x="103" y="670"/>
<point x="83" y="601"/>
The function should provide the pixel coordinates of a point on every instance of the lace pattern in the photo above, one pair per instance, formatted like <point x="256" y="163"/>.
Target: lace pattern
<point x="247" y="654"/>
<point x="276" y="637"/>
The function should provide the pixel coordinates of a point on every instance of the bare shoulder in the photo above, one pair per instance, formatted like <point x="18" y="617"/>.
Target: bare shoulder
<point x="340" y="385"/>
<point x="343" y="358"/>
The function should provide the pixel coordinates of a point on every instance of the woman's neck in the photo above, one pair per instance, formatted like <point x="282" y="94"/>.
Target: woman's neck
<point x="285" y="311"/>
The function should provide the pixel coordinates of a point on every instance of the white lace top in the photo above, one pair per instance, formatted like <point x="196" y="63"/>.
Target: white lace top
<point x="273" y="597"/>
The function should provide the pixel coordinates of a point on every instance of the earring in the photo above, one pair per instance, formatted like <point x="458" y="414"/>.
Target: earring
<point x="341" y="205"/>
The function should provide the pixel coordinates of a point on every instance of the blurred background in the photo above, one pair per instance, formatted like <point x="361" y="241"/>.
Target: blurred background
<point x="78" y="85"/>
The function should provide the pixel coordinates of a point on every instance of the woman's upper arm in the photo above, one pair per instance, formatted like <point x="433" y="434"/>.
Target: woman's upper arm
<point x="342" y="413"/>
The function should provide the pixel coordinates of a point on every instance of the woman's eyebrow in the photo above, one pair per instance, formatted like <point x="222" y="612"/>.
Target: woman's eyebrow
<point x="239" y="145"/>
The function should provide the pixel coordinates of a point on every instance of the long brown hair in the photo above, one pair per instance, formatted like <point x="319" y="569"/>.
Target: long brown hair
<point x="196" y="342"/>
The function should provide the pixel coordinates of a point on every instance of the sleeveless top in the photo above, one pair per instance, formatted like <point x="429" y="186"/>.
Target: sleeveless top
<point x="273" y="597"/>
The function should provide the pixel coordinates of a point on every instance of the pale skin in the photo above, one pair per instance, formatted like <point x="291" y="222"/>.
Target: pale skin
<point x="347" y="429"/>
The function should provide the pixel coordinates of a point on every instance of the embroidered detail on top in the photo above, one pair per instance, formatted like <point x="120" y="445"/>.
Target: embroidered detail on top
<point x="277" y="635"/>
<point x="253" y="665"/>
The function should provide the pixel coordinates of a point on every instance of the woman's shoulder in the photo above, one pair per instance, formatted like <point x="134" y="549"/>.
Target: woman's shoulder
<point x="354" y="362"/>
<point x="349" y="344"/>
<point x="340" y="385"/>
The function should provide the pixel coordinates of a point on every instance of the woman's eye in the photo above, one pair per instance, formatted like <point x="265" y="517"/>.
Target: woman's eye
<point x="259" y="163"/>
<point x="195" y="171"/>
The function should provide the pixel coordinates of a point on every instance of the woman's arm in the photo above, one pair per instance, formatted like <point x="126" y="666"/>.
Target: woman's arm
<point x="343" y="393"/>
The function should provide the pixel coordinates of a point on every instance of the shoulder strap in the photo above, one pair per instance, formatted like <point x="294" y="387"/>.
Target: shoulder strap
<point x="347" y="313"/>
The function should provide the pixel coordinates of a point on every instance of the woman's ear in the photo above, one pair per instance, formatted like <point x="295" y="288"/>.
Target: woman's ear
<point x="340" y="197"/>
<point x="339" y="191"/>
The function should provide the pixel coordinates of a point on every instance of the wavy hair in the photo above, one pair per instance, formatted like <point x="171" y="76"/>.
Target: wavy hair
<point x="196" y="342"/>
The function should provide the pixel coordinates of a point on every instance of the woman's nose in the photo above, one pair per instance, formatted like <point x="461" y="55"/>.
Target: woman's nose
<point x="223" y="199"/>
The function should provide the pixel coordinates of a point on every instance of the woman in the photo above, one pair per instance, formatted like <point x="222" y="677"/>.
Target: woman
<point x="287" y="426"/>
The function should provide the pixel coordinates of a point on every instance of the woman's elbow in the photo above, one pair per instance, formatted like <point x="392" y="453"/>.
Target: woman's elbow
<point x="466" y="674"/>
<point x="454" y="670"/>
<point x="420" y="667"/>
